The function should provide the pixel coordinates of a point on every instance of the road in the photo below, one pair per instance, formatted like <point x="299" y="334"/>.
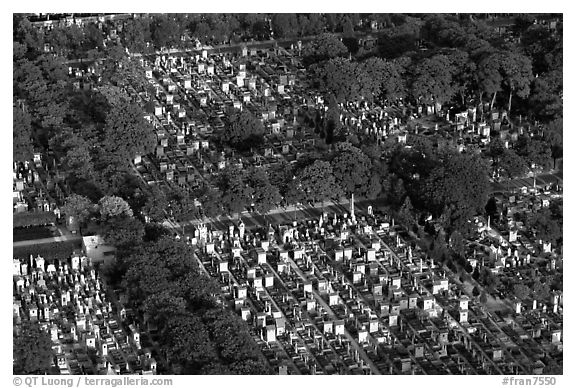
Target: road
<point x="46" y="240"/>
<point x="541" y="180"/>
<point x="278" y="216"/>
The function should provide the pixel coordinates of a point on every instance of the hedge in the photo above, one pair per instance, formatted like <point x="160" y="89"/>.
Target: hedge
<point x="21" y="220"/>
<point x="49" y="251"/>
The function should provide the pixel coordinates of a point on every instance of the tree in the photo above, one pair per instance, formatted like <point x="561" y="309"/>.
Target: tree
<point x="458" y="188"/>
<point x="534" y="152"/>
<point x="112" y="206"/>
<point x="488" y="77"/>
<point x="32" y="349"/>
<point x="400" y="38"/>
<point x="317" y="182"/>
<point x="385" y="78"/>
<point x="123" y="232"/>
<point x="491" y="207"/>
<point x="442" y="31"/>
<point x="512" y="164"/>
<point x="352" y="169"/>
<point x="22" y="133"/>
<point x="136" y="33"/>
<point x="433" y="80"/>
<point x="545" y="227"/>
<point x="186" y="341"/>
<point x="457" y="243"/>
<point x="156" y="204"/>
<point x="266" y="195"/>
<point x="314" y="26"/>
<point x="163" y="307"/>
<point x="345" y="79"/>
<point x="126" y="132"/>
<point x="284" y="25"/>
<point x="280" y="176"/>
<point x="406" y="213"/>
<point x="78" y="206"/>
<point x="537" y="42"/>
<point x="93" y="37"/>
<point x="243" y="131"/>
<point x="463" y="76"/>
<point x="233" y="341"/>
<point x="77" y="158"/>
<point x="541" y="290"/>
<point x="197" y="335"/>
<point x="161" y="266"/>
<point x="236" y="193"/>
<point x="553" y="135"/>
<point x="28" y="36"/>
<point x="546" y="97"/>
<point x="517" y="75"/>
<point x="521" y="291"/>
<point x="323" y="47"/>
<point x="331" y="119"/>
<point x="166" y="31"/>
<point x="43" y="84"/>
<point x="375" y="184"/>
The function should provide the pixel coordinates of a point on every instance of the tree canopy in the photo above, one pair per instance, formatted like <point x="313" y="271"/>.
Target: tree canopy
<point x="112" y="206"/>
<point x="78" y="206"/>
<point x="243" y="131"/>
<point x="352" y="169"/>
<point x="457" y="188"/>
<point x="32" y="349"/>
<point x="323" y="47"/>
<point x="197" y="336"/>
<point x="22" y="135"/>
<point x="317" y="183"/>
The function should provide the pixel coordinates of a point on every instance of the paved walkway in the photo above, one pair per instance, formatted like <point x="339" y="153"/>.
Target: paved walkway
<point x="276" y="216"/>
<point x="542" y="179"/>
<point x="46" y="240"/>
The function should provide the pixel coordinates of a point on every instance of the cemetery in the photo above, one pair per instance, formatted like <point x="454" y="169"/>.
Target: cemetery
<point x="354" y="297"/>
<point x="90" y="332"/>
<point x="193" y="143"/>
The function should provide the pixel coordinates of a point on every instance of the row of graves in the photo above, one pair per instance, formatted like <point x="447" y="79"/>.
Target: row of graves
<point x="535" y="324"/>
<point x="84" y="77"/>
<point x="32" y="186"/>
<point x="511" y="255"/>
<point x="192" y="93"/>
<point x="69" y="300"/>
<point x="471" y="316"/>
<point x="374" y="121"/>
<point x="180" y="137"/>
<point x="340" y="295"/>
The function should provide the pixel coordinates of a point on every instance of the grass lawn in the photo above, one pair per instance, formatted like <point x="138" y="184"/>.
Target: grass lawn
<point x="33" y="233"/>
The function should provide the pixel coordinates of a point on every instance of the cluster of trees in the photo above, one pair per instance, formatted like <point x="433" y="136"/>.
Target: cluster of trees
<point x="374" y="79"/>
<point x="32" y="349"/>
<point x="465" y="60"/>
<point x="197" y="335"/>
<point x="69" y="42"/>
<point x="441" y="77"/>
<point x="546" y="225"/>
<point x="419" y="180"/>
<point x="539" y="288"/>
<point x="94" y="134"/>
<point x="166" y="30"/>
<point x="243" y="131"/>
<point x="450" y="186"/>
<point x="112" y="217"/>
